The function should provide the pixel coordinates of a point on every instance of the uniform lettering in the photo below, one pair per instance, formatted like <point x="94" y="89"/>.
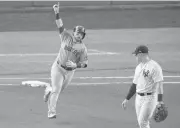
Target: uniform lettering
<point x="70" y="49"/>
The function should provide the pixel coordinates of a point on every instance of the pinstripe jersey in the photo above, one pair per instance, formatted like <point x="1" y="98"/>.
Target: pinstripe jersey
<point x="70" y="50"/>
<point x="146" y="75"/>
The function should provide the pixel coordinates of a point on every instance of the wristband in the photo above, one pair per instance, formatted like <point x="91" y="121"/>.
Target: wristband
<point x="160" y="97"/>
<point x="57" y="16"/>
<point x="79" y="65"/>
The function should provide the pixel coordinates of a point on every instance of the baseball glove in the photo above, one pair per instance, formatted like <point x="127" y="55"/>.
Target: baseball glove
<point x="160" y="113"/>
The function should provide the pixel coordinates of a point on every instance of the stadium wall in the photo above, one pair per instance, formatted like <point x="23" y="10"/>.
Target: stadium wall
<point x="18" y="4"/>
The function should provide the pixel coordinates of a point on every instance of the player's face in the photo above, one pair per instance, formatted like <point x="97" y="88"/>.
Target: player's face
<point x="139" y="57"/>
<point x="78" y="36"/>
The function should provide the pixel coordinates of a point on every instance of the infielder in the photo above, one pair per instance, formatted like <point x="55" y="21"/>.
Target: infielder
<point x="72" y="55"/>
<point x="148" y="86"/>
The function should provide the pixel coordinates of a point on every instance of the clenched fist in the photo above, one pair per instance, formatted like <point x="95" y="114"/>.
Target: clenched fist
<point x="56" y="8"/>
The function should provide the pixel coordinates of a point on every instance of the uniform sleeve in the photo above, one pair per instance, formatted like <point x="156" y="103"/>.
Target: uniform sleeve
<point x="62" y="35"/>
<point x="65" y="37"/>
<point x="84" y="57"/>
<point x="157" y="74"/>
<point x="135" y="79"/>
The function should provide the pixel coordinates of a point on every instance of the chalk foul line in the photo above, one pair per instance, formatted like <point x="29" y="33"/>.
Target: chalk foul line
<point x="88" y="77"/>
<point x="91" y="84"/>
<point x="81" y="83"/>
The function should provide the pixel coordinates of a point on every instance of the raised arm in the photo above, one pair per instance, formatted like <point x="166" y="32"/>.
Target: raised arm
<point x="59" y="21"/>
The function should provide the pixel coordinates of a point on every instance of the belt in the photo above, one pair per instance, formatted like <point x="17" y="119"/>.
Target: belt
<point x="65" y="67"/>
<point x="144" y="94"/>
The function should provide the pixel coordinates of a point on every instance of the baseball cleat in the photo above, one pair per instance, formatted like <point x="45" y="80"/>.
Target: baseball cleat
<point x="52" y="115"/>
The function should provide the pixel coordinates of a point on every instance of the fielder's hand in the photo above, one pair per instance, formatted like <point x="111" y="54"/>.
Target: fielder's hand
<point x="71" y="64"/>
<point x="56" y="8"/>
<point x="124" y="104"/>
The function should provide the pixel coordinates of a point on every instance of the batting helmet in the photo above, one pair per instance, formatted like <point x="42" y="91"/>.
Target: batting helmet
<point x="80" y="29"/>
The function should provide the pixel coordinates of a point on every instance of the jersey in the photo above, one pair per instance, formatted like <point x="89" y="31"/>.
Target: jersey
<point x="70" y="50"/>
<point x="146" y="75"/>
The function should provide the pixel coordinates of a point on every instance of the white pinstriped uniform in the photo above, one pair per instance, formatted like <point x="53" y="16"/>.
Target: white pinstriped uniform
<point x="146" y="75"/>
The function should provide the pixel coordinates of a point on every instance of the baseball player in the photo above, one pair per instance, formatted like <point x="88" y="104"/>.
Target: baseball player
<point x="148" y="86"/>
<point x="72" y="55"/>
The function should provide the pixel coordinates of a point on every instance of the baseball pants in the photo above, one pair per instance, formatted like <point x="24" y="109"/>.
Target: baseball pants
<point x="60" y="78"/>
<point x="145" y="106"/>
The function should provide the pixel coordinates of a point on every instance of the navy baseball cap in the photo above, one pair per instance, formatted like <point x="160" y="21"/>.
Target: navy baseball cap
<point x="141" y="49"/>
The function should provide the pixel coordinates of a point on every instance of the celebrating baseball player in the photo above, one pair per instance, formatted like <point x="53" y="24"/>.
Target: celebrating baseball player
<point x="148" y="86"/>
<point x="72" y="55"/>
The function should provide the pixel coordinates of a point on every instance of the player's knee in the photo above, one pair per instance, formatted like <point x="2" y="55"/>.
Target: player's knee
<point x="56" y="90"/>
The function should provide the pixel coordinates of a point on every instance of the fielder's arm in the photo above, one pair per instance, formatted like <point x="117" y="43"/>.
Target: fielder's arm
<point x="59" y="21"/>
<point x="158" y="79"/>
<point x="159" y="86"/>
<point x="132" y="91"/>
